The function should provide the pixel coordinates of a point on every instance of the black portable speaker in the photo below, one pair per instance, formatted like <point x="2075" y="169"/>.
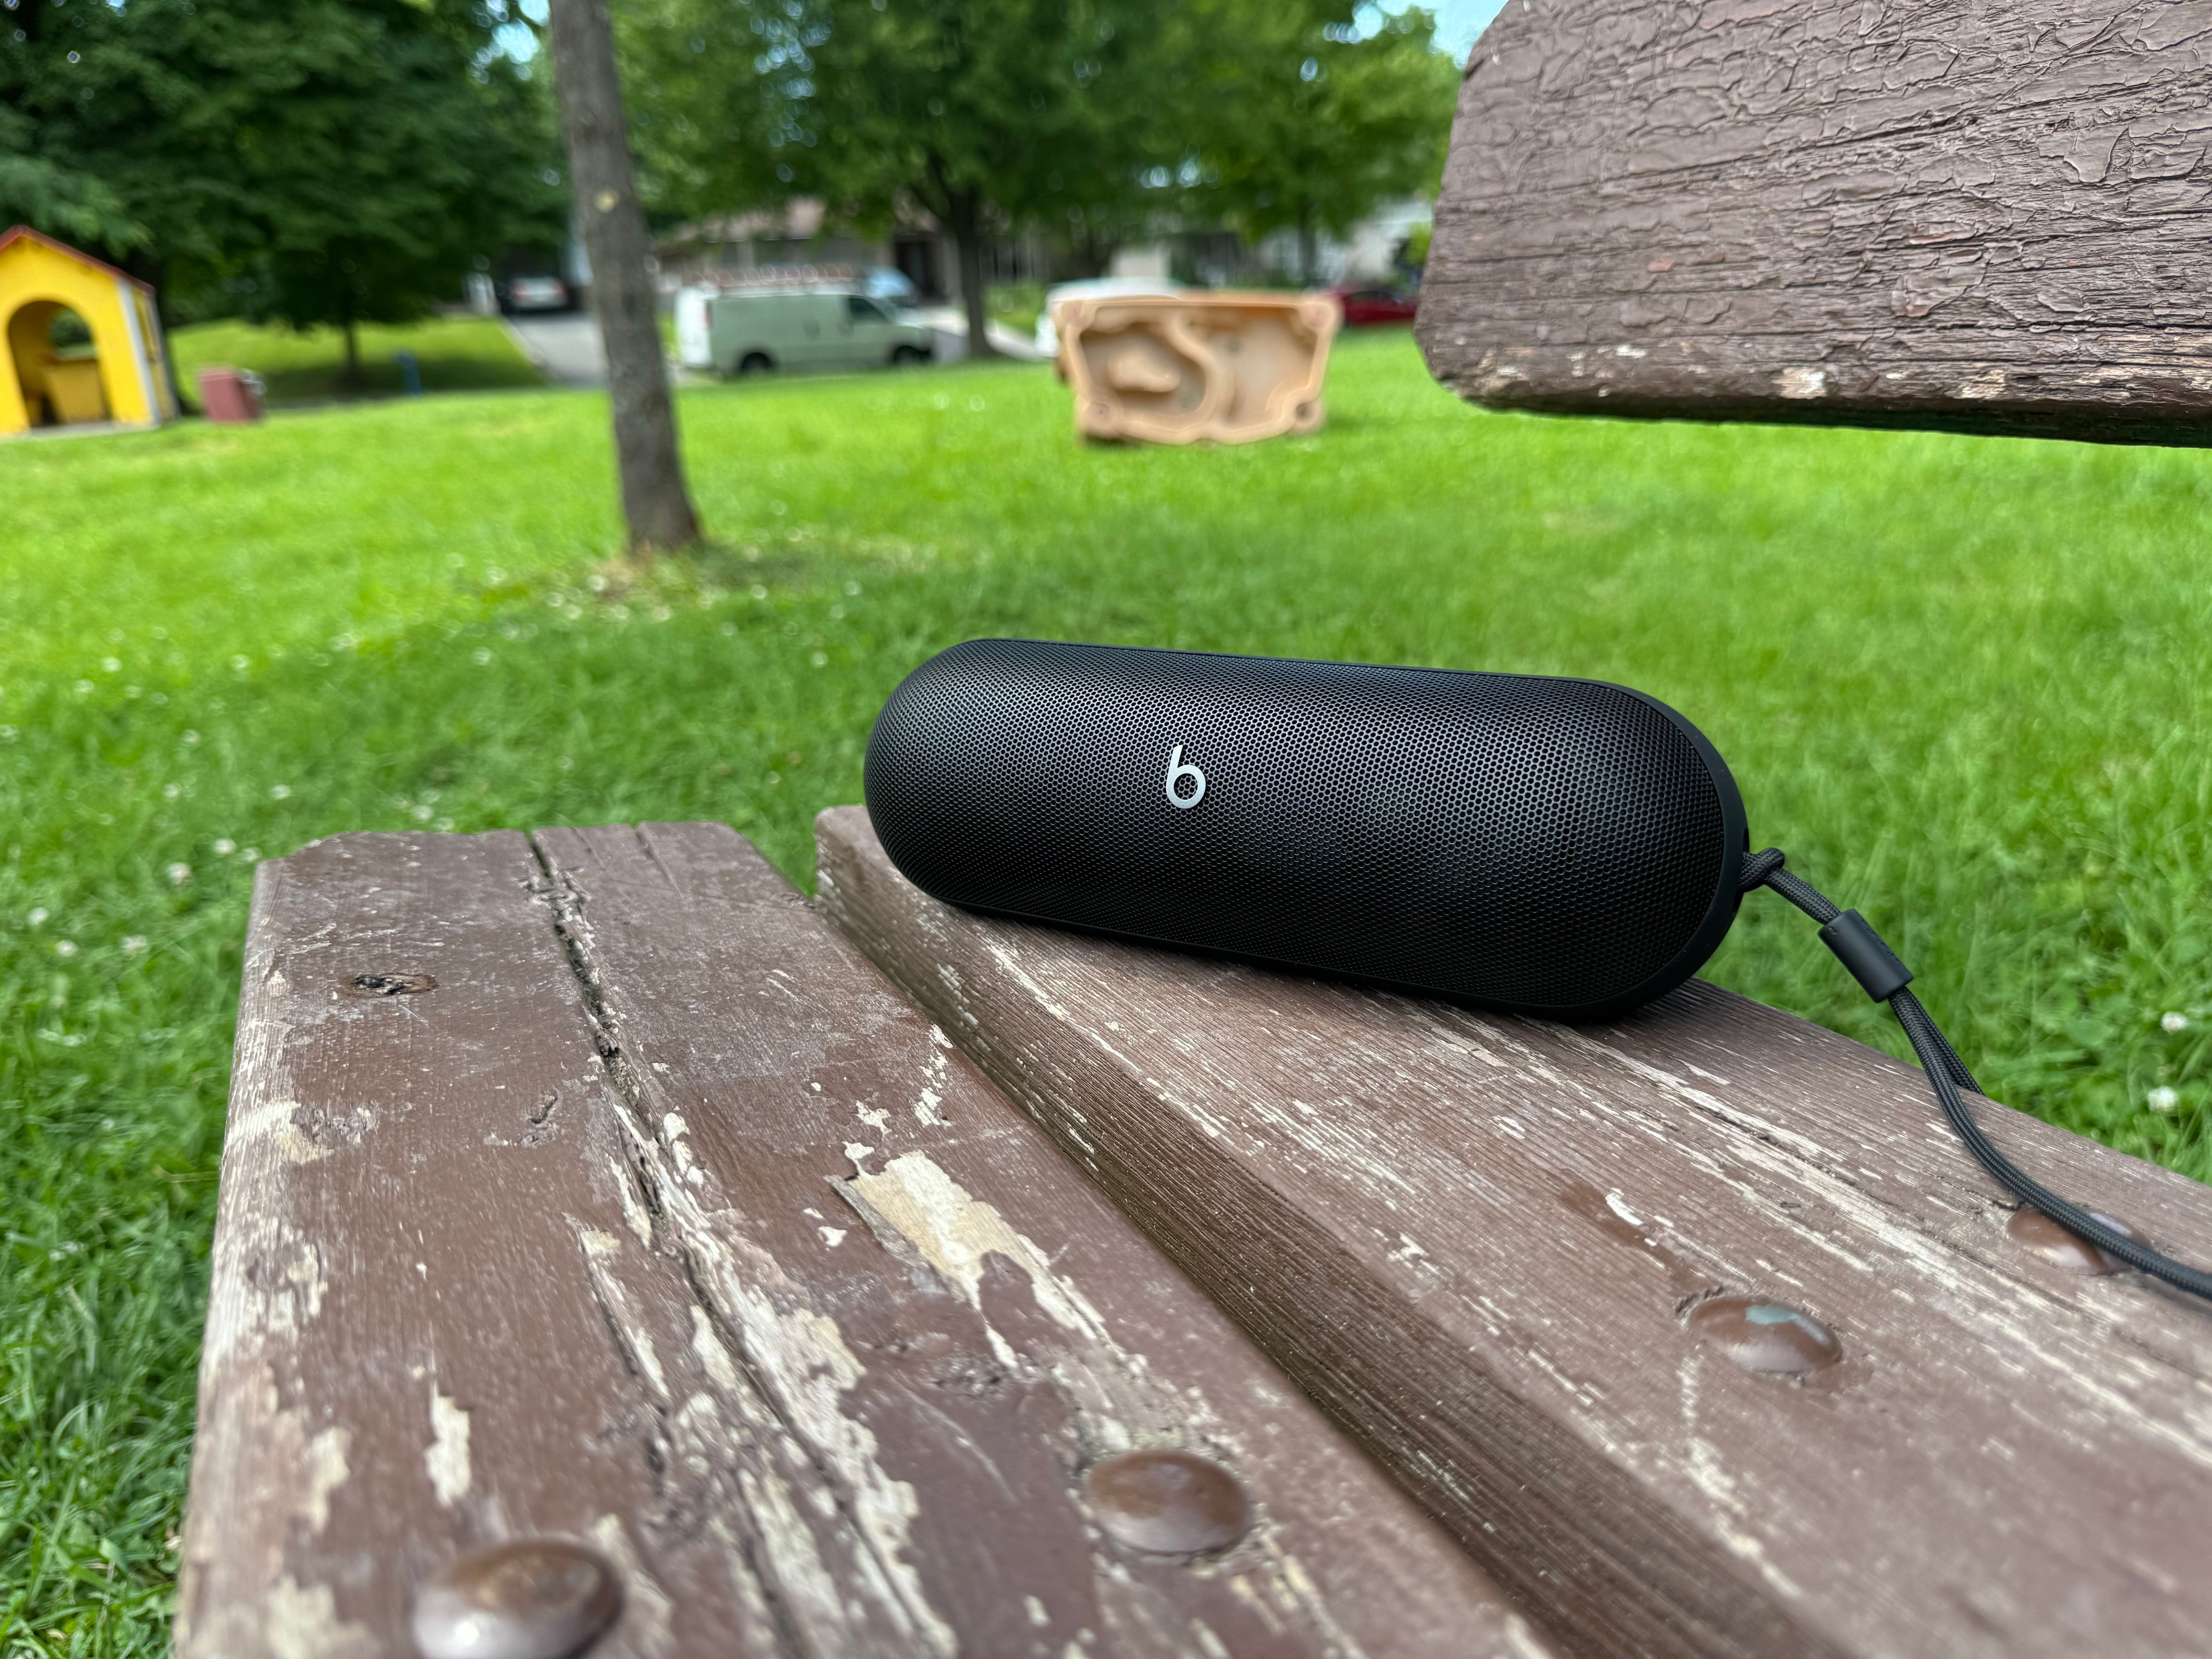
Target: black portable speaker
<point x="1553" y="847"/>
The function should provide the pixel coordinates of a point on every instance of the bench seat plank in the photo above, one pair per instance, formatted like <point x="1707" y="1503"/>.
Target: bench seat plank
<point x="775" y="1299"/>
<point x="1988" y="218"/>
<point x="1475" y="1239"/>
<point x="407" y="1352"/>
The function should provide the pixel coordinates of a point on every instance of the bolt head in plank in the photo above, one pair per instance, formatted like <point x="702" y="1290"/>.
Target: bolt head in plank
<point x="1169" y="1503"/>
<point x="2034" y="1231"/>
<point x="537" y="1598"/>
<point x="1772" y="1337"/>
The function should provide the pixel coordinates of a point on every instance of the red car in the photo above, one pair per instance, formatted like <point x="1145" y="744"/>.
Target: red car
<point x="1363" y="306"/>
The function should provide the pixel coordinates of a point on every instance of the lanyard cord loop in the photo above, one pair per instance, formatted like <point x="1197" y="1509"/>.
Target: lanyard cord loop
<point x="1871" y="963"/>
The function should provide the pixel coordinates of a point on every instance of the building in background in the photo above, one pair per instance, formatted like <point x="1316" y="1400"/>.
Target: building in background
<point x="721" y="250"/>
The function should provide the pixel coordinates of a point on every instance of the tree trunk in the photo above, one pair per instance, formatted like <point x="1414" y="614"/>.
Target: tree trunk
<point x="656" y="504"/>
<point x="1309" y="250"/>
<point x="350" y="377"/>
<point x="967" y="237"/>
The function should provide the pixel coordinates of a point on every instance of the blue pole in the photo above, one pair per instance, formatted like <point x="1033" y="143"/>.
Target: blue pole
<point x="410" y="373"/>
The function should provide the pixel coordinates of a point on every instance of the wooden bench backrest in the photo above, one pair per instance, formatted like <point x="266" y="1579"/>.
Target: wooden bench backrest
<point x="1988" y="217"/>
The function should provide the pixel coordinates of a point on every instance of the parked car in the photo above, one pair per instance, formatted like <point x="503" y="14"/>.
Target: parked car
<point x="1047" y="334"/>
<point x="752" y="333"/>
<point x="1364" y="306"/>
<point x="536" y="294"/>
<point x="890" y="284"/>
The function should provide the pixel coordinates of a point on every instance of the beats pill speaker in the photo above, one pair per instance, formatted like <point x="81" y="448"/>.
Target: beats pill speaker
<point x="1550" y="846"/>
<point x="1559" y="847"/>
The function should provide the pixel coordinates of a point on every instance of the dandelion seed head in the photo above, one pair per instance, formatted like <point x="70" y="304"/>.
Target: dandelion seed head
<point x="2162" y="1100"/>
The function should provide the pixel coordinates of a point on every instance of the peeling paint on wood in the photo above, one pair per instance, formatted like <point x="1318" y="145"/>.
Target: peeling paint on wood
<point x="1951" y="214"/>
<point x="950" y="1317"/>
<point x="1475" y="1241"/>
<point x="576" y="1244"/>
<point x="405" y="1360"/>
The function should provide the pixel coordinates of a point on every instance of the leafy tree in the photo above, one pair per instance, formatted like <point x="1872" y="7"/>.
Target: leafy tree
<point x="310" y="160"/>
<point x="988" y="114"/>
<point x="1304" y="119"/>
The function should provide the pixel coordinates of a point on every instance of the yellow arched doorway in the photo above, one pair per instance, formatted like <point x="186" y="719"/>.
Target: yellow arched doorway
<point x="80" y="341"/>
<point x="57" y="364"/>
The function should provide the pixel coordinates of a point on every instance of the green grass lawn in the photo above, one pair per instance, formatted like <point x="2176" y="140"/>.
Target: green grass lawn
<point x="458" y="353"/>
<point x="1964" y="681"/>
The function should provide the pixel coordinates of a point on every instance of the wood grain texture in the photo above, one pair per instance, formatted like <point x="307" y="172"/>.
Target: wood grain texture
<point x="428" y="1225"/>
<point x="1954" y="214"/>
<point x="664" y="1222"/>
<point x="1474" y="1241"/>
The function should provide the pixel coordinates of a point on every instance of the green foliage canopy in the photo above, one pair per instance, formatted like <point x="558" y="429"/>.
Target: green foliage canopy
<point x="1085" y="119"/>
<point x="1304" y="119"/>
<point x="310" y="160"/>
<point x="986" y="114"/>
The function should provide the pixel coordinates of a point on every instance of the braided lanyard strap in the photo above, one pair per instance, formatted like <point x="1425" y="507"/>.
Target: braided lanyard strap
<point x="1872" y="962"/>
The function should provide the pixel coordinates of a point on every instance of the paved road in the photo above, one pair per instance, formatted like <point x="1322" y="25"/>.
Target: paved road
<point x="565" y="345"/>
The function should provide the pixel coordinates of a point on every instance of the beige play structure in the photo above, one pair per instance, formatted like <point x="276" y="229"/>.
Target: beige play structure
<point x="114" y="379"/>
<point x="1230" y="368"/>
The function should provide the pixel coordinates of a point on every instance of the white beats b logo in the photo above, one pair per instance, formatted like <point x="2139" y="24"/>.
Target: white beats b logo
<point x="1178" y="770"/>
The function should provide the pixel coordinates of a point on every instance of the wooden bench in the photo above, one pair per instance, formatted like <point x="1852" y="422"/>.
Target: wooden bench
<point x="590" y="1186"/>
<point x="586" y="1186"/>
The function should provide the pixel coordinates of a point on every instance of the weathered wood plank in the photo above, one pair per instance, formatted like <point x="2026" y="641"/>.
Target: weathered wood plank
<point x="957" y="1321"/>
<point x="1475" y="1240"/>
<point x="1991" y="218"/>
<point x="662" y="1222"/>
<point x="407" y="1351"/>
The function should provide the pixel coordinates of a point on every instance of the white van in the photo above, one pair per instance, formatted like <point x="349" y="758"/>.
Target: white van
<point x="754" y="330"/>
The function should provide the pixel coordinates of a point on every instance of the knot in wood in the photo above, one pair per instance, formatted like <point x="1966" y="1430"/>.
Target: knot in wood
<point x="389" y="985"/>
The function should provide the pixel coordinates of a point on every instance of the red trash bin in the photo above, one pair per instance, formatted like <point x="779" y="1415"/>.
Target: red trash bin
<point x="230" y="394"/>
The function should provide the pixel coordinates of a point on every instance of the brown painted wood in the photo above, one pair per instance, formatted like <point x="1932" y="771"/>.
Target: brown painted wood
<point x="1987" y="217"/>
<point x="1475" y="1241"/>
<point x="729" y="1264"/>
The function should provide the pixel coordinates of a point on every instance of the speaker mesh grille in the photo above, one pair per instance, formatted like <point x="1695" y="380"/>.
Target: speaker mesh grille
<point x="1525" y="842"/>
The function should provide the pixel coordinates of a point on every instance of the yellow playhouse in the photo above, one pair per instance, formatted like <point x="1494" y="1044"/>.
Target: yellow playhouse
<point x="80" y="341"/>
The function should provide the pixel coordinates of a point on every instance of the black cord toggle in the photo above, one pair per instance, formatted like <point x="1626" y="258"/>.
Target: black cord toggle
<point x="1872" y="962"/>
